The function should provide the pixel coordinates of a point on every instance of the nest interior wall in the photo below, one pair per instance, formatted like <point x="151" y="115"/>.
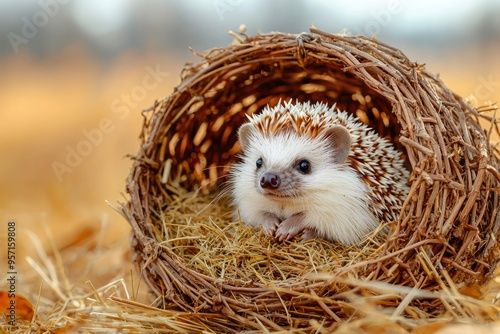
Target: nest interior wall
<point x="204" y="139"/>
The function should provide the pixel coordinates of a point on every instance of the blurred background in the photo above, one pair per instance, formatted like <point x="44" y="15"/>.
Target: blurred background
<point x="75" y="75"/>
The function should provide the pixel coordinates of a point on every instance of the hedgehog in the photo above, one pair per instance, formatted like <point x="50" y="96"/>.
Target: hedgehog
<point x="317" y="172"/>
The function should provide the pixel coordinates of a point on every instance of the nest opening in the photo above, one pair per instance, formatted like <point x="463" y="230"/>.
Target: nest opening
<point x="194" y="257"/>
<point x="225" y="104"/>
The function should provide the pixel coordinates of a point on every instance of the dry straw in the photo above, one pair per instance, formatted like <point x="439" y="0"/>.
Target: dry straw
<point x="197" y="259"/>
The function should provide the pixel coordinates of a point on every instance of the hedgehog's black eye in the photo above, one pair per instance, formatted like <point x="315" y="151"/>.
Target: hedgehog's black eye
<point x="258" y="163"/>
<point x="304" y="166"/>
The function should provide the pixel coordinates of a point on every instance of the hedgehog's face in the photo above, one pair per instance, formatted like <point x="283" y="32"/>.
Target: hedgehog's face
<point x="289" y="166"/>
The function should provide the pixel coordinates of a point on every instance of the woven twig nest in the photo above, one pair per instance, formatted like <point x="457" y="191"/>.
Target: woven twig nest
<point x="448" y="228"/>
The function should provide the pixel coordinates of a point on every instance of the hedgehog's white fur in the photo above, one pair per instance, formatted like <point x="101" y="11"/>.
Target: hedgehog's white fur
<point x="338" y="201"/>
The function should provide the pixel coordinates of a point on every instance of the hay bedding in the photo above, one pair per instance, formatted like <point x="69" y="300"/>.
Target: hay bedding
<point x="197" y="259"/>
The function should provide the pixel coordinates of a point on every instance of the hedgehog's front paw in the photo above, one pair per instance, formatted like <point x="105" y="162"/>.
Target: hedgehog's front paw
<point x="270" y="224"/>
<point x="290" y="227"/>
<point x="309" y="233"/>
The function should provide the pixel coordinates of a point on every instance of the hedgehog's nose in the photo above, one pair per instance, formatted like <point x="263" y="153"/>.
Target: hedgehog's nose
<point x="270" y="180"/>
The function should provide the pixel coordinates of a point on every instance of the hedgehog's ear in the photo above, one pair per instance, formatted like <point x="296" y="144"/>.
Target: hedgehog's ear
<point x="339" y="140"/>
<point x="244" y="135"/>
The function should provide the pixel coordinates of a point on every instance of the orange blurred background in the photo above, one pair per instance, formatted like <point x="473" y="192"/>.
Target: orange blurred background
<point x="71" y="96"/>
